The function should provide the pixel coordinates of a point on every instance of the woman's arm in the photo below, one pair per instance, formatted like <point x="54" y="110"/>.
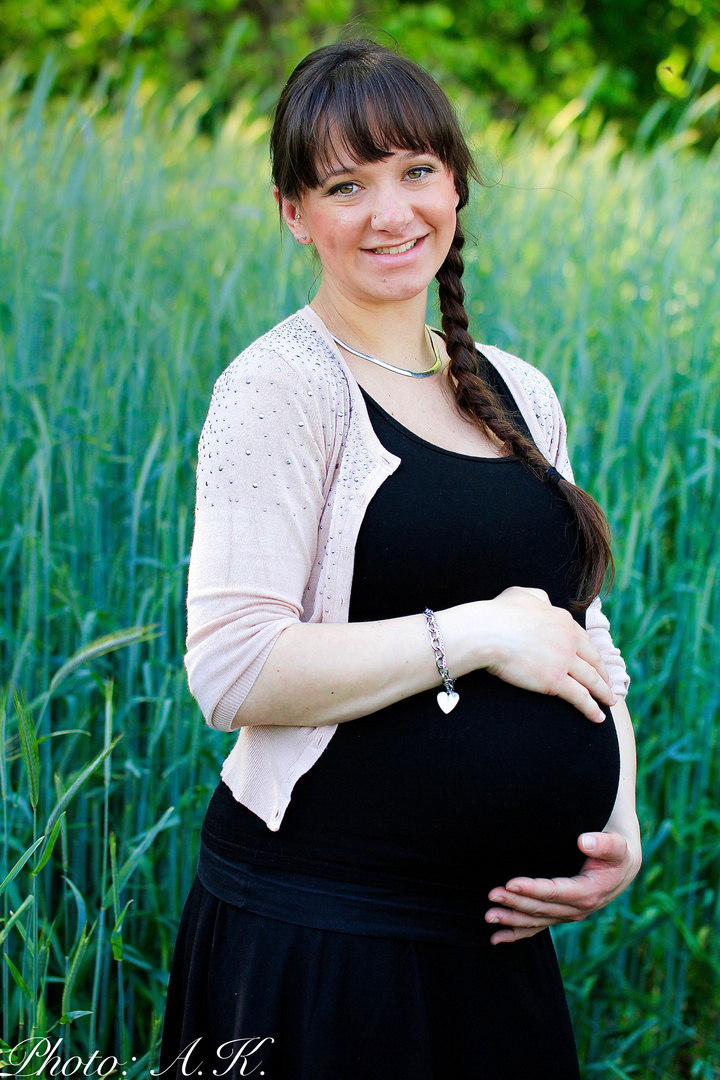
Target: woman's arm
<point x="613" y="859"/>
<point x="326" y="673"/>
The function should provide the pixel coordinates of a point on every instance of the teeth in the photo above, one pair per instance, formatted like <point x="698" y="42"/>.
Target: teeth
<point x="395" y="250"/>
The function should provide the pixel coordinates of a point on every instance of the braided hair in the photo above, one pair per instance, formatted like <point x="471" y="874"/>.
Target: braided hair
<point x="479" y="403"/>
<point x="369" y="101"/>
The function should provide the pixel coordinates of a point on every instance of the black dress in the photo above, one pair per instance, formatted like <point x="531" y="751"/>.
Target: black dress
<point x="351" y="943"/>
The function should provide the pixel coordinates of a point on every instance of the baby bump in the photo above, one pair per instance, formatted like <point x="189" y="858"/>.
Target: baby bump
<point x="502" y="786"/>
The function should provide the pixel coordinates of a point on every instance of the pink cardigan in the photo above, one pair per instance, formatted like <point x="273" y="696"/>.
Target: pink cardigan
<point x="287" y="463"/>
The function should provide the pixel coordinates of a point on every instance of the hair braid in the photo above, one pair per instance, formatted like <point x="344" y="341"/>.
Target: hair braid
<point x="477" y="401"/>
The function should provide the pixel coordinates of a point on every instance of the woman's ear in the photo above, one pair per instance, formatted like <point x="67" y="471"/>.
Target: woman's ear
<point x="293" y="218"/>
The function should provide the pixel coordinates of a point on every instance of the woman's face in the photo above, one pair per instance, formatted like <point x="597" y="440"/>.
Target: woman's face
<point x="381" y="229"/>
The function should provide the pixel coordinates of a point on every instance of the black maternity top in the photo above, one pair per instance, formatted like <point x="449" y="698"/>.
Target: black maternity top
<point x="355" y="935"/>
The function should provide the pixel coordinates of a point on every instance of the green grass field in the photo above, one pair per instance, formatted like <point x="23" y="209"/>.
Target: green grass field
<point x="136" y="259"/>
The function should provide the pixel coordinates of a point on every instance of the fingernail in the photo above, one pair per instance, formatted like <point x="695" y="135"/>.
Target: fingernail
<point x="589" y="842"/>
<point x="494" y="919"/>
<point x="512" y="888"/>
<point x="495" y="898"/>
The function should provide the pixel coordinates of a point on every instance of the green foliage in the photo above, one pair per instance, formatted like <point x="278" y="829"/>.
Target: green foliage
<point x="518" y="57"/>
<point x="136" y="258"/>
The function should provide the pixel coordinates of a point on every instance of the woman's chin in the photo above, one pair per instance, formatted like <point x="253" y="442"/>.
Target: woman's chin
<point x="393" y="290"/>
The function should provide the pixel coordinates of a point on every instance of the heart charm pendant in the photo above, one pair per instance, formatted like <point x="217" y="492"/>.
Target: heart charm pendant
<point x="447" y="702"/>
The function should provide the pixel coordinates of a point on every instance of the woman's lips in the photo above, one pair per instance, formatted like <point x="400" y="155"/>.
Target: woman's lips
<point x="396" y="250"/>
<point x="391" y="252"/>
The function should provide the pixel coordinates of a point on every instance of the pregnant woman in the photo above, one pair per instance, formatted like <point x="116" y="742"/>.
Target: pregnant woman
<point x="393" y="595"/>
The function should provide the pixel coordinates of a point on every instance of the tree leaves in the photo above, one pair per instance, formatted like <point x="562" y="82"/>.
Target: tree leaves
<point x="520" y="56"/>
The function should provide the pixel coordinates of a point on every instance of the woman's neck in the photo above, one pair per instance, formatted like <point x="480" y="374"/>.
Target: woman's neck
<point x="391" y="332"/>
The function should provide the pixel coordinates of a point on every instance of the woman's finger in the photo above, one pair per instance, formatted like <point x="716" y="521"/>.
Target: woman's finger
<point x="539" y="593"/>
<point x="525" y="910"/>
<point x="589" y="677"/>
<point x="513" y="933"/>
<point x="578" y="695"/>
<point x="519" y="918"/>
<point x="588" y="652"/>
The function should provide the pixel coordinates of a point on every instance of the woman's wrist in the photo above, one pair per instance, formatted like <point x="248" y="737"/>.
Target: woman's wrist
<point x="467" y="631"/>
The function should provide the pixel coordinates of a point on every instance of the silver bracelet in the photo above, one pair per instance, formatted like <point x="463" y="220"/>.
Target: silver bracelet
<point x="448" y="698"/>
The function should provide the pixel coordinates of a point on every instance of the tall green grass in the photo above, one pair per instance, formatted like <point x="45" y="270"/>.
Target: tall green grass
<point x="136" y="259"/>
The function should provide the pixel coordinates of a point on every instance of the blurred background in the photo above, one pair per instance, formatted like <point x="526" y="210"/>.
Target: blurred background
<point x="139" y="252"/>
<point x="636" y="62"/>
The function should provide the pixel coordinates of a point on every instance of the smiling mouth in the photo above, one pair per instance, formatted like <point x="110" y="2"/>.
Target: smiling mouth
<point x="395" y="250"/>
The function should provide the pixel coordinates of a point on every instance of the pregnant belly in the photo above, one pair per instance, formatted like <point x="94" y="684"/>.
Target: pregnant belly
<point x="502" y="786"/>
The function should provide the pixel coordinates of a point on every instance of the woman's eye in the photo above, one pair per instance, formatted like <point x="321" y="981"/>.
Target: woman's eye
<point x="348" y="188"/>
<point x="419" y="171"/>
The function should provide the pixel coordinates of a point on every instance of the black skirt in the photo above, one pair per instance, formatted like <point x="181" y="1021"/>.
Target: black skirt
<point x="250" y="995"/>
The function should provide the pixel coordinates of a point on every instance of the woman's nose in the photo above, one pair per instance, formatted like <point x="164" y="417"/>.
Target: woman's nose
<point x="391" y="212"/>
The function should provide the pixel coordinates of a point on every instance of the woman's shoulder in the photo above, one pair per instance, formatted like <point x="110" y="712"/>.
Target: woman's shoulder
<point x="537" y="401"/>
<point x="536" y="385"/>
<point x="292" y="348"/>
<point x="287" y="377"/>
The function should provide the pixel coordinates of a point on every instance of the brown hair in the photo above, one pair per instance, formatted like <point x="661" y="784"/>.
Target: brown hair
<point x="369" y="101"/>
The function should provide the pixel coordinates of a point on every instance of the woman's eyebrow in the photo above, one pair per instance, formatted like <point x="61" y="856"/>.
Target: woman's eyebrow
<point x="339" y="170"/>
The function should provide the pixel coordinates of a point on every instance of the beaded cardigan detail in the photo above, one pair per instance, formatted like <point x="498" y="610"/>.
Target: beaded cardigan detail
<point x="287" y="462"/>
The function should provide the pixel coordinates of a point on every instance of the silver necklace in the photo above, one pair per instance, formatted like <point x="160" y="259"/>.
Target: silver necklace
<point x="391" y="367"/>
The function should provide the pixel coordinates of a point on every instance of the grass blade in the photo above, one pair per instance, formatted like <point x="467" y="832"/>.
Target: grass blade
<point x="19" y="864"/>
<point x="77" y="783"/>
<point x="134" y="635"/>
<point x="29" y="747"/>
<point x="27" y="902"/>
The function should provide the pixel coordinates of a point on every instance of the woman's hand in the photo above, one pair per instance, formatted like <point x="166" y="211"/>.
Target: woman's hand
<point x="531" y="904"/>
<point x="530" y="643"/>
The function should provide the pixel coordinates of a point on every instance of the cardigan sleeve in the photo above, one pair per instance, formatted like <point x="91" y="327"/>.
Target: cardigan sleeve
<point x="262" y="467"/>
